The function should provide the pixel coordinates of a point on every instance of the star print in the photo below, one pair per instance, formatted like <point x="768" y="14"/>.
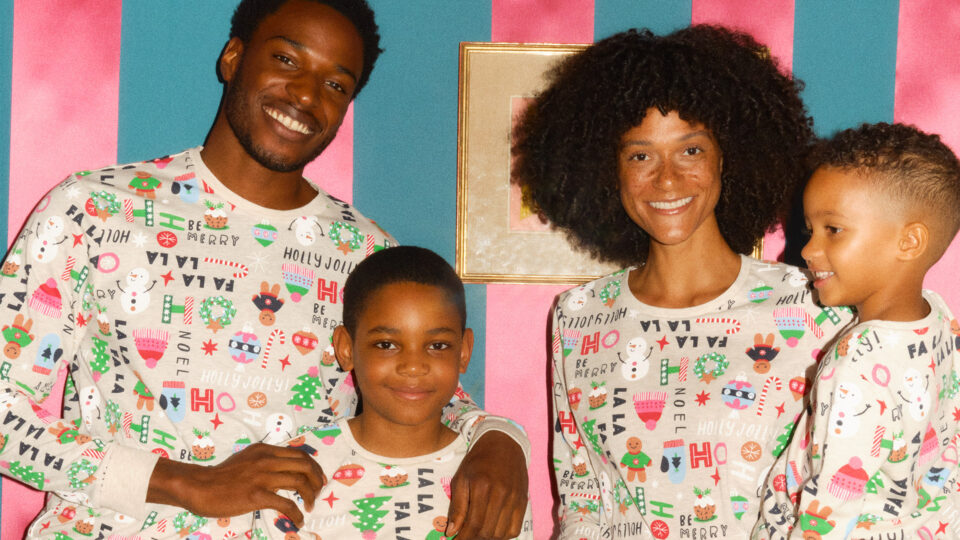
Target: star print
<point x="214" y="325"/>
<point x="781" y="409"/>
<point x="579" y="444"/>
<point x="77" y="239"/>
<point x="44" y="526"/>
<point x="81" y="322"/>
<point x="708" y="378"/>
<point x="956" y="414"/>
<point x="942" y="528"/>
<point x="703" y="398"/>
<point x="284" y="362"/>
<point x="209" y="347"/>
<point x="716" y="476"/>
<point x="216" y="421"/>
<point x="345" y="248"/>
<point x="139" y="239"/>
<point x="330" y="498"/>
<point x="932" y="366"/>
<point x="167" y="278"/>
<point x="663" y="342"/>
<point x="883" y="405"/>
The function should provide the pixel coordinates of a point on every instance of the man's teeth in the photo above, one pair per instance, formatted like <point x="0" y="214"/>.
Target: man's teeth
<point x="822" y="275"/>
<point x="288" y="122"/>
<point x="670" y="205"/>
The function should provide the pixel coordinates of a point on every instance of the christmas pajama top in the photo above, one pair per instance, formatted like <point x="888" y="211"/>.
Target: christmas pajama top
<point x="370" y="496"/>
<point x="876" y="455"/>
<point x="190" y="322"/>
<point x="667" y="419"/>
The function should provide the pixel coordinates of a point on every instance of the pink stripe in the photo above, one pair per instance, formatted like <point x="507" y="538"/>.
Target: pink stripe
<point x="65" y="95"/>
<point x="516" y="354"/>
<point x="65" y="91"/>
<point x="928" y="78"/>
<point x="542" y="21"/>
<point x="333" y="170"/>
<point x="769" y="21"/>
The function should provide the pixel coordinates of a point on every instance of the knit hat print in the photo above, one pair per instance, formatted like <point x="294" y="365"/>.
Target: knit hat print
<point x="849" y="482"/>
<point x="46" y="299"/>
<point x="929" y="447"/>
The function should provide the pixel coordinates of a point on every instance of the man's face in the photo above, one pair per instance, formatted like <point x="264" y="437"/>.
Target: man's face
<point x="289" y="87"/>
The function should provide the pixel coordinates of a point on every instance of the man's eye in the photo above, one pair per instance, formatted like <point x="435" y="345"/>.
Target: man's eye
<point x="337" y="86"/>
<point x="284" y="59"/>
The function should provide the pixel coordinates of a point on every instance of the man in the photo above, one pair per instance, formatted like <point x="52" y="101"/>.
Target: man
<point x="191" y="299"/>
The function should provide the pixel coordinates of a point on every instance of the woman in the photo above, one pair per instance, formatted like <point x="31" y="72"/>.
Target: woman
<point x="677" y="378"/>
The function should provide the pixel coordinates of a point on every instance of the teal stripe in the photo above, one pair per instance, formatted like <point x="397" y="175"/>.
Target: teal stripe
<point x="6" y="75"/>
<point x="405" y="139"/>
<point x="612" y="16"/>
<point x="168" y="84"/>
<point x="846" y="52"/>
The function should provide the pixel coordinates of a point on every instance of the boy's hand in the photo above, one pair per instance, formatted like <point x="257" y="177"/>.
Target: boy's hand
<point x="488" y="496"/>
<point x="246" y="481"/>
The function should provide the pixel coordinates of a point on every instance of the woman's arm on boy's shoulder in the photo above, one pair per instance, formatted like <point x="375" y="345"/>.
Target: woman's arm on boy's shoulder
<point x="489" y="492"/>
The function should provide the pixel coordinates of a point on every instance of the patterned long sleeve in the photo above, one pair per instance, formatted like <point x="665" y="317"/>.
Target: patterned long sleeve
<point x="44" y="302"/>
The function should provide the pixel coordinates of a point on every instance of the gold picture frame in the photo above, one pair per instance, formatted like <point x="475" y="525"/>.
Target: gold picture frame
<point x="497" y="241"/>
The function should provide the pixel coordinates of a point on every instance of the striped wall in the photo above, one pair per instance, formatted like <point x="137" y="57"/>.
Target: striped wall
<point x="93" y="82"/>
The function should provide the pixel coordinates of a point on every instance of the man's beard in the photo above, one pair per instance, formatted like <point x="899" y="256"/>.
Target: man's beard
<point x="238" y="116"/>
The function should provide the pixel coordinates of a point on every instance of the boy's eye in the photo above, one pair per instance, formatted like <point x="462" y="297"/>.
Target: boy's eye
<point x="439" y="346"/>
<point x="384" y="345"/>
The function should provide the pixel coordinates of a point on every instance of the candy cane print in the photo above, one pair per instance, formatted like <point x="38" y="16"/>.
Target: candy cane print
<point x="877" y="439"/>
<point x="733" y="325"/>
<point x="127" y="420"/>
<point x="242" y="269"/>
<point x="128" y="210"/>
<point x="812" y="325"/>
<point x="278" y="335"/>
<point x="65" y="275"/>
<point x="766" y="390"/>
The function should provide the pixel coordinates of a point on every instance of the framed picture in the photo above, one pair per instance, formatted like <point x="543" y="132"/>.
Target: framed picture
<point x="498" y="238"/>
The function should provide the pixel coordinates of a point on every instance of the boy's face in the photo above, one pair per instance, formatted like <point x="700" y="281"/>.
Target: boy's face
<point x="407" y="353"/>
<point x="854" y="235"/>
<point x="289" y="87"/>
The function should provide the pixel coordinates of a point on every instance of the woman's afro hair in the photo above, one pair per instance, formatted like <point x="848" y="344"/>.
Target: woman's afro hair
<point x="567" y="141"/>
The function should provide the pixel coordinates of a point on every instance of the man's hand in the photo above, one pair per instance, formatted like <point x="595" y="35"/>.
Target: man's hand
<point x="246" y="481"/>
<point x="489" y="492"/>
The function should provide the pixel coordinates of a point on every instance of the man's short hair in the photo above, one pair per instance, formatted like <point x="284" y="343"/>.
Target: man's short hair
<point x="249" y="13"/>
<point x="909" y="166"/>
<point x="398" y="265"/>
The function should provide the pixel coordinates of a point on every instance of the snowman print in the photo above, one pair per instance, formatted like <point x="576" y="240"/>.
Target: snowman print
<point x="90" y="402"/>
<point x="45" y="248"/>
<point x="579" y="296"/>
<point x="305" y="229"/>
<point x="136" y="297"/>
<point x="637" y="363"/>
<point x="279" y="428"/>
<point x="915" y="394"/>
<point x="843" y="419"/>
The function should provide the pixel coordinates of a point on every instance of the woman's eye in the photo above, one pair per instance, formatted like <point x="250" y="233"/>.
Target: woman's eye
<point x="638" y="156"/>
<point x="692" y="151"/>
<point x="833" y="230"/>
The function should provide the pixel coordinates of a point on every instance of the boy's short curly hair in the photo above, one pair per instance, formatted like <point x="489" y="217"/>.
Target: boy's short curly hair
<point x="567" y="141"/>
<point x="906" y="164"/>
<point x="249" y="14"/>
<point x="397" y="265"/>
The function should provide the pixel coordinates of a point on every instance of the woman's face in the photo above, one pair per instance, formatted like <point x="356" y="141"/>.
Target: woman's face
<point x="670" y="177"/>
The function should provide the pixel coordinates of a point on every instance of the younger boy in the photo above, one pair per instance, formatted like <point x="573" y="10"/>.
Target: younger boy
<point x="389" y="468"/>
<point x="876" y="451"/>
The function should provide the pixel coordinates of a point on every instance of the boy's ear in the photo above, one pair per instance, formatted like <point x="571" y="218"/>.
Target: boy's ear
<point x="466" y="350"/>
<point x="343" y="347"/>
<point x="230" y="58"/>
<point x="913" y="242"/>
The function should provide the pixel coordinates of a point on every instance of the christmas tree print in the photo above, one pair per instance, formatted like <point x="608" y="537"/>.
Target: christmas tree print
<point x="80" y="473"/>
<point x="368" y="515"/>
<point x="783" y="439"/>
<point x="182" y="523"/>
<point x="112" y="416"/>
<point x="99" y="364"/>
<point x="26" y="474"/>
<point x="307" y="390"/>
<point x="593" y="437"/>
